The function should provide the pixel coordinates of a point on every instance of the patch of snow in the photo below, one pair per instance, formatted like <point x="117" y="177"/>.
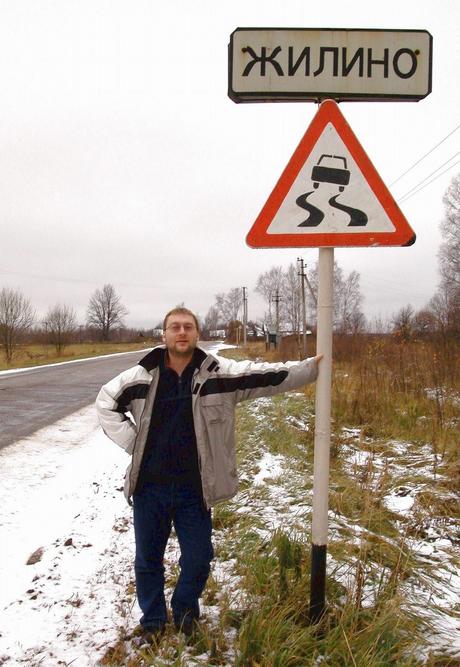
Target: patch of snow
<point x="260" y="403"/>
<point x="215" y="347"/>
<point x="442" y="394"/>
<point x="297" y="423"/>
<point x="358" y="457"/>
<point x="270" y="466"/>
<point x="353" y="433"/>
<point x="401" y="499"/>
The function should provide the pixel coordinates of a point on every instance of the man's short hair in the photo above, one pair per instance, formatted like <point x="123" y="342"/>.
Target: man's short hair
<point x="180" y="310"/>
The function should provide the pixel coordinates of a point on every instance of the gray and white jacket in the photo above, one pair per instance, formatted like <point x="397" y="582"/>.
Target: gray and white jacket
<point x="124" y="407"/>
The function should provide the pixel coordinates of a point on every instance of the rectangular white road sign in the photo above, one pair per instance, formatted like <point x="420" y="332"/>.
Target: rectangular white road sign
<point x="303" y="64"/>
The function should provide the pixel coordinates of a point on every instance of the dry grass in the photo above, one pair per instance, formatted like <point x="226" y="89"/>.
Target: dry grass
<point x="373" y="618"/>
<point x="389" y="392"/>
<point x="37" y="355"/>
<point x="391" y="388"/>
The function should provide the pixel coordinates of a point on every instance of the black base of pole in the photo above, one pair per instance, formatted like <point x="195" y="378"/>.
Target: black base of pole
<point x="318" y="583"/>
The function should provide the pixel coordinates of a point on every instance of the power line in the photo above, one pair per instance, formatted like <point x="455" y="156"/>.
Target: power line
<point x="393" y="286"/>
<point x="424" y="156"/>
<point x="429" y="176"/>
<point x="432" y="181"/>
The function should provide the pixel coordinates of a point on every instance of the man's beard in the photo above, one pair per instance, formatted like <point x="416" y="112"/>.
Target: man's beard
<point x="180" y="352"/>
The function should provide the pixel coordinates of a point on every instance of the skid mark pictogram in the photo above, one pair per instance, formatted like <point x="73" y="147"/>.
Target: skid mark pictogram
<point x="316" y="215"/>
<point x="357" y="218"/>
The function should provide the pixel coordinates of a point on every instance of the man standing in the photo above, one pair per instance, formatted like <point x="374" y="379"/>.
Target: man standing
<point x="174" y="413"/>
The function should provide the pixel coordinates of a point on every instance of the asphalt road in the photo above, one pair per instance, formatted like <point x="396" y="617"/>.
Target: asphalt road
<point x="39" y="396"/>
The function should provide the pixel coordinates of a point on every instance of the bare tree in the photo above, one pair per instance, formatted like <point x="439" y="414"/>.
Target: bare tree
<point x="350" y="318"/>
<point x="449" y="254"/>
<point x="403" y="322"/>
<point x="16" y="317"/>
<point x="228" y="304"/>
<point x="105" y="311"/>
<point x="424" y="322"/>
<point x="60" y="323"/>
<point x="448" y="295"/>
<point x="291" y="303"/>
<point x="379" y="325"/>
<point x="347" y="316"/>
<point x="445" y="307"/>
<point x="268" y="285"/>
<point x="211" y="321"/>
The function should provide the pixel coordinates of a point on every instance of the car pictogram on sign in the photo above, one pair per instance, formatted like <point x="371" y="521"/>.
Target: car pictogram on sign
<point x="326" y="172"/>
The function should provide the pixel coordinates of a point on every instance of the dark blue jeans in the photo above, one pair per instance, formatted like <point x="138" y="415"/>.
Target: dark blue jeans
<point x="156" y="508"/>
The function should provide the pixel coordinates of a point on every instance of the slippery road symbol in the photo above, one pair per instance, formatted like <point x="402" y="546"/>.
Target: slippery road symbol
<point x="330" y="169"/>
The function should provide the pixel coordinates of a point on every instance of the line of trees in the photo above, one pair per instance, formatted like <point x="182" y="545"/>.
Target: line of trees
<point x="281" y="289"/>
<point x="105" y="312"/>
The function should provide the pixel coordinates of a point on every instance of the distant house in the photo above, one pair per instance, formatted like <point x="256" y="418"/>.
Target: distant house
<point x="256" y="332"/>
<point x="157" y="333"/>
<point x="217" y="333"/>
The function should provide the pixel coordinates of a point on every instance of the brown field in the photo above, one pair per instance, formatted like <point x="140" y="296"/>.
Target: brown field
<point x="37" y="355"/>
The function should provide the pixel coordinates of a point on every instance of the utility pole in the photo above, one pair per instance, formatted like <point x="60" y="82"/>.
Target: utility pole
<point x="302" y="275"/>
<point x="276" y="300"/>
<point x="245" y="315"/>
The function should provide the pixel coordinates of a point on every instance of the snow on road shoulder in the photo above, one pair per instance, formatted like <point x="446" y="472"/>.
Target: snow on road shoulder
<point x="60" y="494"/>
<point x="62" y="503"/>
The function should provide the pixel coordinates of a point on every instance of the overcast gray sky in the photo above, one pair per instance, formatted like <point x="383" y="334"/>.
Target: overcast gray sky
<point x="123" y="160"/>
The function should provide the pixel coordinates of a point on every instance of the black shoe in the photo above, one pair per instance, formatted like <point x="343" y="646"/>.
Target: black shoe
<point x="188" y="626"/>
<point x="149" y="634"/>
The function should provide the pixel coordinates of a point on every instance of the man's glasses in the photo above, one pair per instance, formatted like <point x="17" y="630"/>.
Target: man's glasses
<point x="175" y="328"/>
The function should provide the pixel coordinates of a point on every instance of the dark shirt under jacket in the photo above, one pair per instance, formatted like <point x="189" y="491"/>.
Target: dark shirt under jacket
<point x="171" y="454"/>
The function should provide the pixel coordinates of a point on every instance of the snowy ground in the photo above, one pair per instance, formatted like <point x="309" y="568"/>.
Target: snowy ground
<point x="433" y="589"/>
<point x="61" y="499"/>
<point x="62" y="503"/>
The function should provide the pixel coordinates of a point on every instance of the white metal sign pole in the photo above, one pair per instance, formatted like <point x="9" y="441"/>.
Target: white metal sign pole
<point x="322" y="435"/>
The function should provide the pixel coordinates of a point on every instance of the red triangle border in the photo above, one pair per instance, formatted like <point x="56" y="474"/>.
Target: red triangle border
<point x="329" y="112"/>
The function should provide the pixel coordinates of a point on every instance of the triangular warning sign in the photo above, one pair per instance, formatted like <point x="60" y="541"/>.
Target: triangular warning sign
<point x="330" y="194"/>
